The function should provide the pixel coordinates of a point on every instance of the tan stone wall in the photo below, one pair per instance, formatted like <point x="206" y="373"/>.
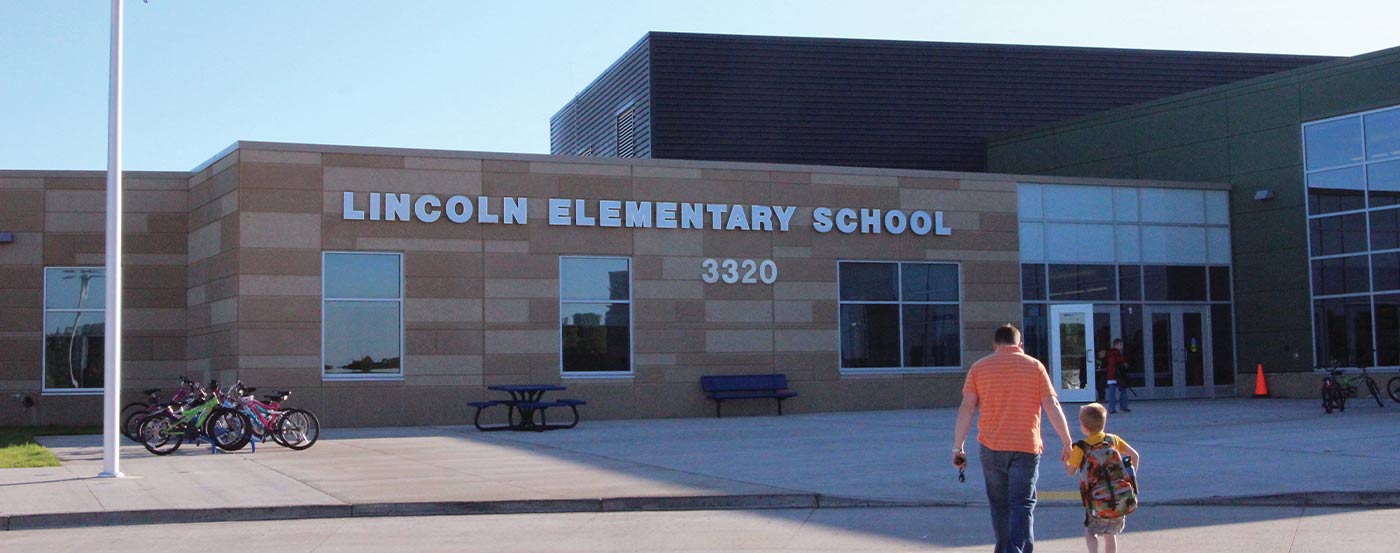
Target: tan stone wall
<point x="481" y="301"/>
<point x="58" y="220"/>
<point x="225" y="277"/>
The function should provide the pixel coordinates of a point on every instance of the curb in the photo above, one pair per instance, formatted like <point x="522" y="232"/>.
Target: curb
<point x="612" y="505"/>
<point x="1300" y="499"/>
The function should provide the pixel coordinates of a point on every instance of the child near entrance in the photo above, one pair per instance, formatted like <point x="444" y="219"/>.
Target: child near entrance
<point x="1107" y="481"/>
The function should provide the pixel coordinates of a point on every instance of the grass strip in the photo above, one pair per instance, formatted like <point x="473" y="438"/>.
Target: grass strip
<point x="19" y="450"/>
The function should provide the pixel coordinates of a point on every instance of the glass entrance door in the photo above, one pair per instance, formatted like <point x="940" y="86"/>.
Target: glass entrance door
<point x="1072" y="352"/>
<point x="1179" y="352"/>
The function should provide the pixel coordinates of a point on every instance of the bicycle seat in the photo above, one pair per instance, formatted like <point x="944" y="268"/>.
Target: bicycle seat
<point x="248" y="390"/>
<point x="150" y="392"/>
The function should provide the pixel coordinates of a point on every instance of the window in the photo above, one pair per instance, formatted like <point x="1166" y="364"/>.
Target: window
<point x="595" y="316"/>
<point x="1174" y="283"/>
<point x="900" y="315"/>
<point x="74" y="298"/>
<point x="1033" y="282"/>
<point x="1083" y="282"/>
<point x="361" y="316"/>
<point x="627" y="132"/>
<point x="1352" y="165"/>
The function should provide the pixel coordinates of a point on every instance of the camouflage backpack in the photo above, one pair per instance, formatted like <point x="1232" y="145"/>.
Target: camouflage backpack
<point x="1107" y="488"/>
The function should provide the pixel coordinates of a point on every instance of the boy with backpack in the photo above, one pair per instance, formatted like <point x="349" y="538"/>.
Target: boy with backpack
<point x="1107" y="478"/>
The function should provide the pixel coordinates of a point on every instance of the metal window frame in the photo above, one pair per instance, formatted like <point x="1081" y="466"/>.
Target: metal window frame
<point x="899" y="302"/>
<point x="403" y="361"/>
<point x="631" y="324"/>
<point x="44" y="388"/>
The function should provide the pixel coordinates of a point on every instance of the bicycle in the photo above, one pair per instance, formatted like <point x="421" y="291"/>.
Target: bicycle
<point x="133" y="414"/>
<point x="207" y="417"/>
<point x="296" y="429"/>
<point x="1337" y="388"/>
<point x="1393" y="388"/>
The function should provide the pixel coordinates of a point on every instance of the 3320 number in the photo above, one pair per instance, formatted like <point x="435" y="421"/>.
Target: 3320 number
<point x="738" y="271"/>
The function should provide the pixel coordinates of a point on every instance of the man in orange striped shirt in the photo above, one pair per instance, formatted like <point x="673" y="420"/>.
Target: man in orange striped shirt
<point x="1010" y="389"/>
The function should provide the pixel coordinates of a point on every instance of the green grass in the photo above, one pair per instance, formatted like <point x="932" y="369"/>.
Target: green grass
<point x="19" y="450"/>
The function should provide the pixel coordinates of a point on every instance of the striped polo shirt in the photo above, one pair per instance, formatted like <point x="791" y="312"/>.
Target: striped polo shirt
<point x="1009" y="385"/>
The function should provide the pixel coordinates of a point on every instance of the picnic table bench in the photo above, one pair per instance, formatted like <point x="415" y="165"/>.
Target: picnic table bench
<point x="525" y="401"/>
<point x="746" y="386"/>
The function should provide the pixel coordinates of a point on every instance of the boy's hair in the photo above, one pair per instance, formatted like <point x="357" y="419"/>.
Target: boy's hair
<point x="1117" y="342"/>
<point x="1007" y="335"/>
<point x="1093" y="417"/>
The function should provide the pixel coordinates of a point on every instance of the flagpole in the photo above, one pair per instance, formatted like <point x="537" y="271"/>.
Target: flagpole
<point x="112" y="314"/>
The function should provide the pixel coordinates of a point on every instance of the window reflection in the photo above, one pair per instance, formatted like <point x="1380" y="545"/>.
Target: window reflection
<point x="593" y="279"/>
<point x="895" y="315"/>
<point x="595" y="321"/>
<point x="1083" y="282"/>
<point x="73" y="350"/>
<point x="869" y="282"/>
<point x="1333" y="143"/>
<point x="596" y="337"/>
<point x="74" y="328"/>
<point x="362" y="315"/>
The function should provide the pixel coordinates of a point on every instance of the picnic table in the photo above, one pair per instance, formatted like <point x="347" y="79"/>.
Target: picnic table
<point x="526" y="400"/>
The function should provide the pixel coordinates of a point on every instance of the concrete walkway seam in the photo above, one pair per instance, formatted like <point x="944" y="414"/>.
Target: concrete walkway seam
<point x="612" y="505"/>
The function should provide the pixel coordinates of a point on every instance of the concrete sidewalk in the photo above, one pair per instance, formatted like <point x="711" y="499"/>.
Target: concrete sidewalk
<point x="1193" y="451"/>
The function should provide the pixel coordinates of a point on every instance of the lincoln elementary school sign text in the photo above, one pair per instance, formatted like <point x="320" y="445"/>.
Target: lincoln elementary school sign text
<point x="430" y="208"/>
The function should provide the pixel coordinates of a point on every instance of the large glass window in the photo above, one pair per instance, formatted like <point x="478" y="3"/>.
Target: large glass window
<point x="1343" y="329"/>
<point x="595" y="315"/>
<point x="1352" y="164"/>
<point x="362" y="315"/>
<point x="1174" y="283"/>
<point x="1083" y="282"/>
<point x="1340" y="275"/>
<point x="74" y="298"/>
<point x="1333" y="143"/>
<point x="900" y="315"/>
<point x="1339" y="234"/>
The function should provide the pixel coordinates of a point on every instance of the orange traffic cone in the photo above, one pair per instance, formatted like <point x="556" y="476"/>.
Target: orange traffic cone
<point x="1261" y="388"/>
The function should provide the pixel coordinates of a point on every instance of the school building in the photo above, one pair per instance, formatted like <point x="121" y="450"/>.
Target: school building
<point x="390" y="286"/>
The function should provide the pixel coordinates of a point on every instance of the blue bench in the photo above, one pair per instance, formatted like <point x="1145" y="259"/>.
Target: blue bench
<point x="746" y="386"/>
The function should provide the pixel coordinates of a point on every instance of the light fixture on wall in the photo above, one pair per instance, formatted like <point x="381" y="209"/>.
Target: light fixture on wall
<point x="1263" y="194"/>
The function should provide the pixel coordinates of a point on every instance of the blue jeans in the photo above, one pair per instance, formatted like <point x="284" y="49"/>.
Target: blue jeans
<point x="1010" y="477"/>
<point x="1117" y="396"/>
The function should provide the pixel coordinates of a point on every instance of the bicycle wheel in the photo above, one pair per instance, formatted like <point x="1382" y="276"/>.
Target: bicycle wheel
<point x="230" y="430"/>
<point x="298" y="429"/>
<point x="1329" y="398"/>
<point x="1393" y="388"/>
<point x="131" y="418"/>
<point x="161" y="434"/>
<point x="1375" y="391"/>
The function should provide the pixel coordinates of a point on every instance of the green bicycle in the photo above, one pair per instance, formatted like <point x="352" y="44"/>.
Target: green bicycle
<point x="228" y="429"/>
<point x="1337" y="388"/>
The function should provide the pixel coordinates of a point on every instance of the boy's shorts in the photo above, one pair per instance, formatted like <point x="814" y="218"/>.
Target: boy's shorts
<point x="1104" y="526"/>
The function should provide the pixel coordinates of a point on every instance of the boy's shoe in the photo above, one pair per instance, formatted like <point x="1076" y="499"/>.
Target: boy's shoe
<point x="1112" y="412"/>
<point x="1127" y="410"/>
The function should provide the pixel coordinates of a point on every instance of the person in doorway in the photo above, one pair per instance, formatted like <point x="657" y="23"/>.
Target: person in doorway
<point x="1009" y="389"/>
<point x="1115" y="369"/>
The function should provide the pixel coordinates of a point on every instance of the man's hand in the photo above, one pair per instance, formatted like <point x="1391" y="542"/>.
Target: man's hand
<point x="959" y="459"/>
<point x="1065" y="451"/>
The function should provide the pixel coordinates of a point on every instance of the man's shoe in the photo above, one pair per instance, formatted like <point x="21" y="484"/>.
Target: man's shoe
<point x="1112" y="412"/>
<point x="1127" y="410"/>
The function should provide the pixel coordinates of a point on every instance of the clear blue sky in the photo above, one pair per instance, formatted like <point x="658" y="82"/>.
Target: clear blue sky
<point x="488" y="75"/>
